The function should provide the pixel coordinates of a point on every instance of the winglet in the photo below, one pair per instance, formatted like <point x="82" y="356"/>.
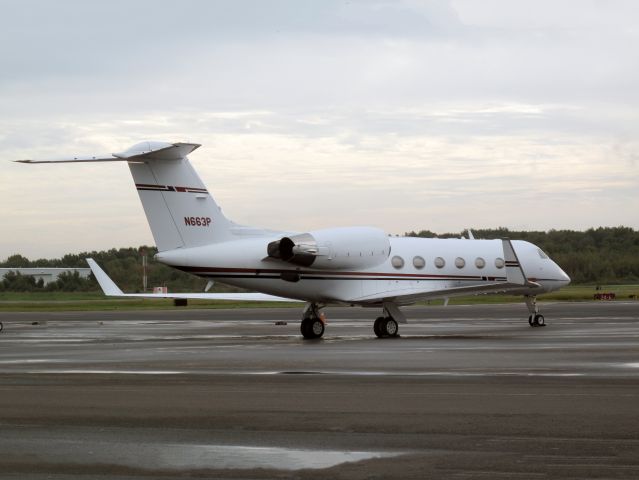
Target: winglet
<point x="107" y="285"/>
<point x="514" y="272"/>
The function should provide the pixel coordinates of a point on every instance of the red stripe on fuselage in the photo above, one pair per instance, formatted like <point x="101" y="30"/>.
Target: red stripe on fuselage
<point x="257" y="272"/>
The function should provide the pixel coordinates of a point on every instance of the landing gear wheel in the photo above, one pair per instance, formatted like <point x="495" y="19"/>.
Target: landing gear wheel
<point x="385" y="327"/>
<point x="1" y="327"/>
<point x="317" y="327"/>
<point x="390" y="327"/>
<point x="377" y="327"/>
<point x="312" y="328"/>
<point x="536" y="320"/>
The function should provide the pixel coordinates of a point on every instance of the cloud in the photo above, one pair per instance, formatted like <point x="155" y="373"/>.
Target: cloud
<point x="401" y="114"/>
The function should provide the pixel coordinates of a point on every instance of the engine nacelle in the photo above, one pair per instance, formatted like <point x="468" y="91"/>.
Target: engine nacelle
<point x="340" y="248"/>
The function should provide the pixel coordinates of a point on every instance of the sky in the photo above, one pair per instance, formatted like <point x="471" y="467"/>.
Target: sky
<point x="404" y="115"/>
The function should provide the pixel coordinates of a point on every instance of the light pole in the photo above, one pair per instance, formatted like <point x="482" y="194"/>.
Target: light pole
<point x="144" y="262"/>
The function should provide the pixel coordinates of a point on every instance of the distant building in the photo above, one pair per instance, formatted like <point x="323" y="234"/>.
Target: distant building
<point x="47" y="275"/>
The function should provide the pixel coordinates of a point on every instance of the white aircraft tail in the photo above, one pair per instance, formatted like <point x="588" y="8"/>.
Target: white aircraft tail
<point x="178" y="207"/>
<point x="180" y="210"/>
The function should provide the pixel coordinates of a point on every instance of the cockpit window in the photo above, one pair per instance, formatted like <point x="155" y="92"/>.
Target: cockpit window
<point x="541" y="253"/>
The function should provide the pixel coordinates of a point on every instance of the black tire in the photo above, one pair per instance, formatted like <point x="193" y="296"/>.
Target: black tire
<point x="539" y="320"/>
<point x="390" y="327"/>
<point x="312" y="328"/>
<point x="377" y="327"/>
<point x="305" y="328"/>
<point x="1" y="327"/>
<point x="531" y="320"/>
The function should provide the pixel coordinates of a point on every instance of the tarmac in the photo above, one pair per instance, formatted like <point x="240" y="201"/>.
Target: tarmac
<point x="464" y="392"/>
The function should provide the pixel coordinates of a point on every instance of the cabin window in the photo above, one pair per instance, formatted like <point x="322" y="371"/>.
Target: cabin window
<point x="397" y="262"/>
<point x="499" y="262"/>
<point x="480" y="262"/>
<point x="440" y="262"/>
<point x="419" y="263"/>
<point x="460" y="262"/>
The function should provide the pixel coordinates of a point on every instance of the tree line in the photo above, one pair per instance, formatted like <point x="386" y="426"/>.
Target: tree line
<point x="123" y="265"/>
<point x="595" y="256"/>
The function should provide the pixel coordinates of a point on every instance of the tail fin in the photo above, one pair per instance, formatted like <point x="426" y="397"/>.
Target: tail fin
<point x="178" y="207"/>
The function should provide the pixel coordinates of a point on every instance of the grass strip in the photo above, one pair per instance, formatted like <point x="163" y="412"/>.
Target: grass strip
<point x="95" y="301"/>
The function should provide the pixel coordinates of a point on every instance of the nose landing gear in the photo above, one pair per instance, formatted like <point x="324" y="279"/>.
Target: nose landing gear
<point x="535" y="319"/>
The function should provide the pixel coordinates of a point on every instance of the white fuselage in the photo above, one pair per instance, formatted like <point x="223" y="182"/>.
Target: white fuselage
<point x="413" y="265"/>
<point x="356" y="265"/>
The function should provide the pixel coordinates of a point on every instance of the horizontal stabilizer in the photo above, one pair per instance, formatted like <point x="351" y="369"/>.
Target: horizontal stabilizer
<point x="157" y="151"/>
<point x="102" y="158"/>
<point x="140" y="152"/>
<point x="110" y="289"/>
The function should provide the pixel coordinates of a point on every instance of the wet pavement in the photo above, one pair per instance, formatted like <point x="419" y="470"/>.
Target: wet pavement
<point x="466" y="391"/>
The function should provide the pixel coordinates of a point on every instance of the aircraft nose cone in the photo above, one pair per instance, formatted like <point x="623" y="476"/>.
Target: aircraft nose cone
<point x="563" y="277"/>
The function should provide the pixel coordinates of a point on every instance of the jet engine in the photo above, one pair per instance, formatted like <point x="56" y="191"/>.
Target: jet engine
<point x="338" y="248"/>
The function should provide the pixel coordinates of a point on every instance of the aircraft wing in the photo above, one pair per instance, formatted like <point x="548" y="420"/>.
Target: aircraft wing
<point x="411" y="295"/>
<point x="110" y="289"/>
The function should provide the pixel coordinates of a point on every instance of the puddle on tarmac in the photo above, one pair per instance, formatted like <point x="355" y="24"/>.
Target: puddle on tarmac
<point x="88" y="371"/>
<point x="196" y="456"/>
<point x="227" y="456"/>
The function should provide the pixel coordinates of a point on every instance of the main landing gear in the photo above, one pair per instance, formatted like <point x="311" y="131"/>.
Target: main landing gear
<point x="535" y="319"/>
<point x="385" y="327"/>
<point x="313" y="322"/>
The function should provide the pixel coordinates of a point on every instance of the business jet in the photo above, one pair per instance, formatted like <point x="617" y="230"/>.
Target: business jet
<point x="357" y="266"/>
